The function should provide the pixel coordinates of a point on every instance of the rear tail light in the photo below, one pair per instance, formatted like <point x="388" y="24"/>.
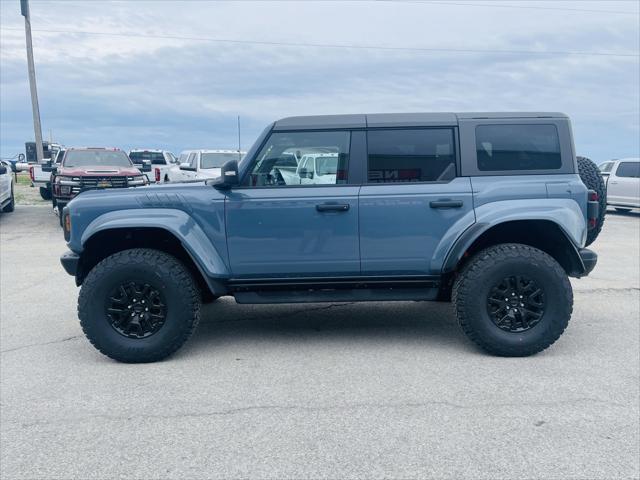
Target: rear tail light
<point x="592" y="223"/>
<point x="593" y="196"/>
<point x="31" y="175"/>
<point x="157" y="174"/>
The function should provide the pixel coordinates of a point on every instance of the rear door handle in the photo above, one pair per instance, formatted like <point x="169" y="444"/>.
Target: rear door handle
<point x="332" y="207"/>
<point x="446" y="203"/>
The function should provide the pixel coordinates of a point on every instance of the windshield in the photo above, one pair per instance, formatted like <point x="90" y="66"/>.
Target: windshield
<point x="96" y="158"/>
<point x="60" y="156"/>
<point x="156" y="158"/>
<point x="216" y="160"/>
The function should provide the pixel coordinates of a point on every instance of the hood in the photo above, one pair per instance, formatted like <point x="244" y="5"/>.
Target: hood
<point x="102" y="171"/>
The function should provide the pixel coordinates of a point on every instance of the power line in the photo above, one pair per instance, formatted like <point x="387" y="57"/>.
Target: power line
<point x="496" y="5"/>
<point x="426" y="2"/>
<point x="337" y="46"/>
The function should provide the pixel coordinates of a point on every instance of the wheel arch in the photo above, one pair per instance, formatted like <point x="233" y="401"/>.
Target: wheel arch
<point x="543" y="234"/>
<point x="105" y="241"/>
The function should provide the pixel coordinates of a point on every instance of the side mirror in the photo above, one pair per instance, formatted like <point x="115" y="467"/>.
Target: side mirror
<point x="228" y="176"/>
<point x="146" y="165"/>
<point x="21" y="157"/>
<point x="186" y="166"/>
<point x="3" y="169"/>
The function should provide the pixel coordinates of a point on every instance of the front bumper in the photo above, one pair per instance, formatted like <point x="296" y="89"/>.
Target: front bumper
<point x="70" y="261"/>
<point x="589" y="259"/>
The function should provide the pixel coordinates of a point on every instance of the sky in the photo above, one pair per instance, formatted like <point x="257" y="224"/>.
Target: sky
<point x="176" y="74"/>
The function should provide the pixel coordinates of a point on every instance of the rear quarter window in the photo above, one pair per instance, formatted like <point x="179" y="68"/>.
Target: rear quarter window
<point x="517" y="147"/>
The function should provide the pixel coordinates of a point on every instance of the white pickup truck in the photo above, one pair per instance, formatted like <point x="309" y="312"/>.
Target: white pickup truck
<point x="162" y="163"/>
<point x="202" y="164"/>
<point x="40" y="173"/>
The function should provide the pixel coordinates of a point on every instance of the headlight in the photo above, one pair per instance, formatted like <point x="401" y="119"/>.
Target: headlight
<point x="72" y="181"/>
<point x="137" y="180"/>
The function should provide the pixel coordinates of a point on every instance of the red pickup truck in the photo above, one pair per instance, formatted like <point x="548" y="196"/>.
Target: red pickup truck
<point x="94" y="168"/>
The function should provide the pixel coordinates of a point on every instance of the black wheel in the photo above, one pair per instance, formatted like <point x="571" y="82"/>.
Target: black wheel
<point x="60" y="214"/>
<point x="139" y="305"/>
<point x="45" y="193"/>
<point x="622" y="210"/>
<point x="590" y="175"/>
<point x="11" y="206"/>
<point x="513" y="300"/>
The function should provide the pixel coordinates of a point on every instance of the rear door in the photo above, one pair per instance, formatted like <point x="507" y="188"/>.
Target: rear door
<point x="412" y="199"/>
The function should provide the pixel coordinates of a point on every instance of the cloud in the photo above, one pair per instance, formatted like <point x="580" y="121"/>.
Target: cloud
<point x="178" y="94"/>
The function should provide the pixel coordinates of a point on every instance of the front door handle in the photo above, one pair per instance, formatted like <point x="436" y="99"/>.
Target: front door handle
<point x="332" y="207"/>
<point x="446" y="203"/>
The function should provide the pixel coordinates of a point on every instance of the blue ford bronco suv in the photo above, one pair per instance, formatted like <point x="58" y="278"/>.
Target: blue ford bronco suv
<point x="491" y="211"/>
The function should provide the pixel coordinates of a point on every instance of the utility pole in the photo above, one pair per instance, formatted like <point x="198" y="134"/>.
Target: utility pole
<point x="24" y="10"/>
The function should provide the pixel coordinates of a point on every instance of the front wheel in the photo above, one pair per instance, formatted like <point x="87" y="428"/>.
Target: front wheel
<point x="513" y="300"/>
<point x="10" y="207"/>
<point x="139" y="305"/>
<point x="45" y="193"/>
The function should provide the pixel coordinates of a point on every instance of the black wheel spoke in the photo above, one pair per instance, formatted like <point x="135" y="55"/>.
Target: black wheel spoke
<point x="136" y="310"/>
<point x="516" y="304"/>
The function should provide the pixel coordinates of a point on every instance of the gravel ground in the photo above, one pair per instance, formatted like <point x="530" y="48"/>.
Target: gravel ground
<point x="371" y="390"/>
<point x="25" y="194"/>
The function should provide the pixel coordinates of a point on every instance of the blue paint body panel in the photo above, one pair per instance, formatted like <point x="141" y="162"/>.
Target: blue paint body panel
<point x="279" y="232"/>
<point x="400" y="232"/>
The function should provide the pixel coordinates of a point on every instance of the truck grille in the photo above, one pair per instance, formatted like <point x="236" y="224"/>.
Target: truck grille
<point x="103" y="182"/>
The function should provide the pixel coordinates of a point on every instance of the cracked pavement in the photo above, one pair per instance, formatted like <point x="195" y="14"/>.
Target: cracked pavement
<point x="345" y="390"/>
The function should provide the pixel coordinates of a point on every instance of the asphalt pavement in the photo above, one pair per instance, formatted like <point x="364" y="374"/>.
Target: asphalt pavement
<point x="364" y="390"/>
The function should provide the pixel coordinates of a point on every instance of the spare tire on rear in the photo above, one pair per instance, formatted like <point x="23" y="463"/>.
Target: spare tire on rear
<point x="590" y="175"/>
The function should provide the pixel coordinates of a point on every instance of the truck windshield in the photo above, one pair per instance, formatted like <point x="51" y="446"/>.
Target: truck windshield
<point x="96" y="158"/>
<point x="216" y="160"/>
<point x="156" y="158"/>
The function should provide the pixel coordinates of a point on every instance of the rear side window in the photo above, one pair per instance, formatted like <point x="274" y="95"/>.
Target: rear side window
<point x="517" y="147"/>
<point x="410" y="155"/>
<point x="628" y="169"/>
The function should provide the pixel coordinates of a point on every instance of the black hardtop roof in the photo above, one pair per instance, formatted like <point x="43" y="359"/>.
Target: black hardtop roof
<point x="398" y="119"/>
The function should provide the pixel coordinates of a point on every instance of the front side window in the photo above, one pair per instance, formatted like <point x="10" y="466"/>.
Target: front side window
<point x="517" y="147"/>
<point x="628" y="169"/>
<point x="96" y="158"/>
<point x="192" y="159"/>
<point x="301" y="158"/>
<point x="410" y="155"/>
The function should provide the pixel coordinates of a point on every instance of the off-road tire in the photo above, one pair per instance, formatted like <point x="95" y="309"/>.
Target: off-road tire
<point x="11" y="206"/>
<point x="590" y="176"/>
<point x="165" y="273"/>
<point x="486" y="268"/>
<point x="60" y="215"/>
<point x="45" y="193"/>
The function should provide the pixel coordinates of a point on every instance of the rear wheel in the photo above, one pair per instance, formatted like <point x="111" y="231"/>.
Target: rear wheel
<point x="513" y="300"/>
<point x="45" y="193"/>
<point x="139" y="305"/>
<point x="590" y="176"/>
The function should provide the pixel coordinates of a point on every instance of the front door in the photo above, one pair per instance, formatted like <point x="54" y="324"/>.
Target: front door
<point x="277" y="226"/>
<point x="412" y="200"/>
